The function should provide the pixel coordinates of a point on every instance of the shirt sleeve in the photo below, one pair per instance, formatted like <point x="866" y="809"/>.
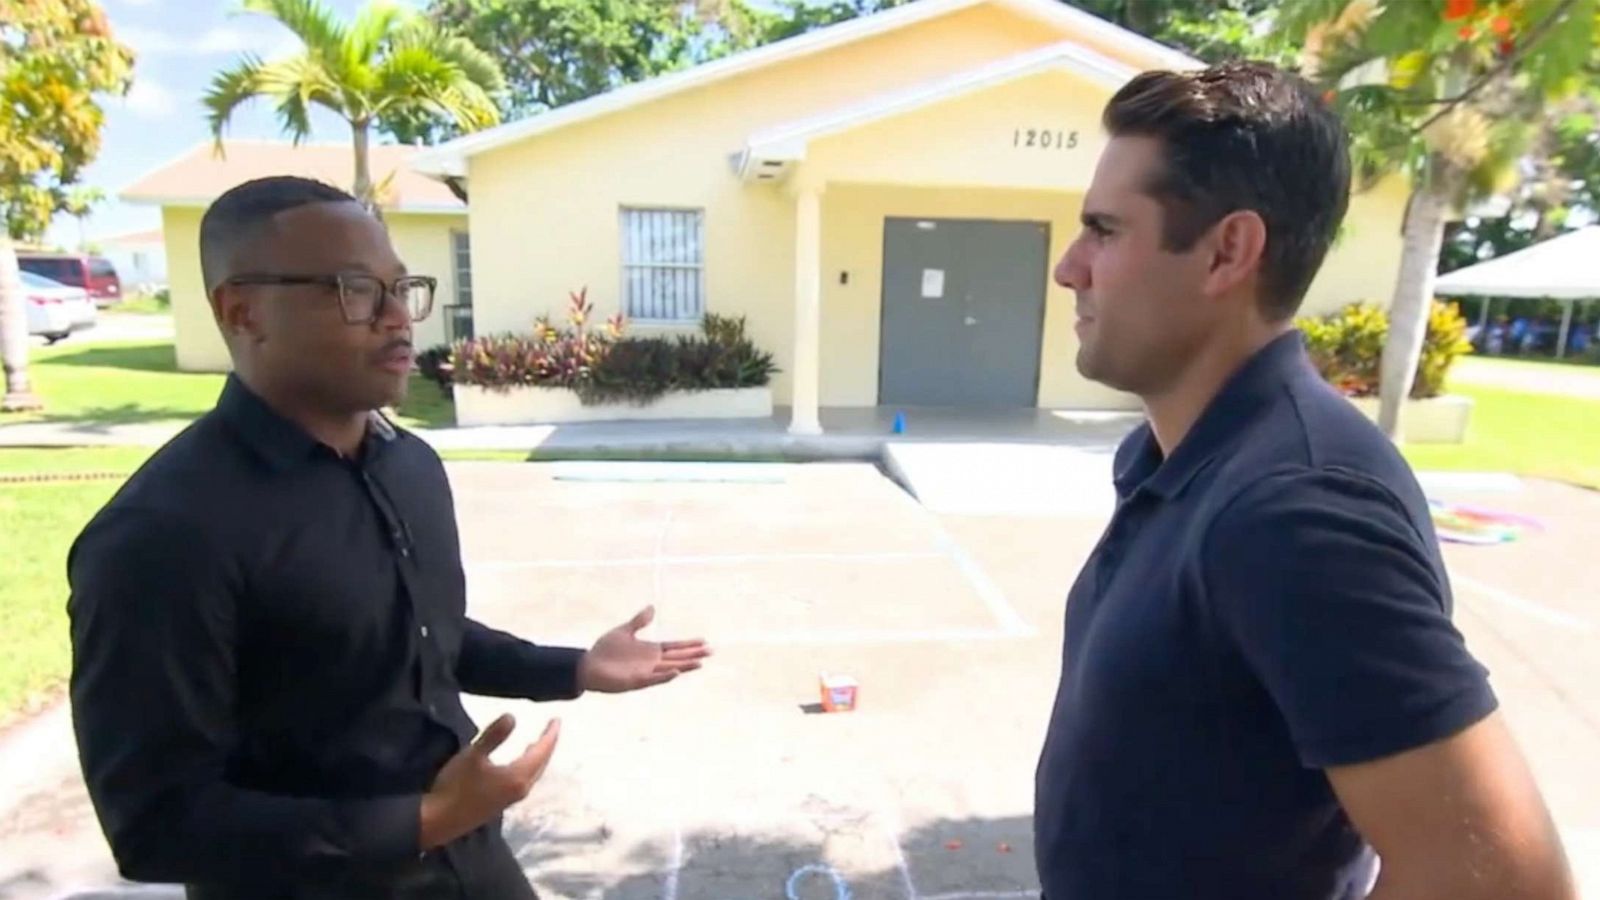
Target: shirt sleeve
<point x="154" y="617"/>
<point x="496" y="664"/>
<point x="1333" y="598"/>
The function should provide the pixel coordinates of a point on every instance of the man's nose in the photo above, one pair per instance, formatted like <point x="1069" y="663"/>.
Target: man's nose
<point x="1070" y="272"/>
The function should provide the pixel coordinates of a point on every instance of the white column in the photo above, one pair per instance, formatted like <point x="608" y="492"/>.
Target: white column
<point x="806" y="371"/>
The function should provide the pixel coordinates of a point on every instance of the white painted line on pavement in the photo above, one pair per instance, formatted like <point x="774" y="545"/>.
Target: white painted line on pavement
<point x="1529" y="608"/>
<point x="709" y="560"/>
<point x="669" y="890"/>
<point x="1004" y="613"/>
<point x="909" y="636"/>
<point x="983" y="895"/>
<point x="891" y="828"/>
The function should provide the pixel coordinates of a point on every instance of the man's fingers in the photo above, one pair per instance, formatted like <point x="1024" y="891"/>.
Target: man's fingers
<point x="492" y="737"/>
<point x="698" y="644"/>
<point x="530" y="765"/>
<point x="684" y="654"/>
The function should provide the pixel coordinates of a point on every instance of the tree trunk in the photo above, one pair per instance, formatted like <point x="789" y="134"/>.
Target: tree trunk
<point x="14" y="333"/>
<point x="362" y="187"/>
<point x="1408" y="312"/>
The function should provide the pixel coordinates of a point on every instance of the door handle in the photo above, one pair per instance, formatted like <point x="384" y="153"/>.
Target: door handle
<point x="971" y="321"/>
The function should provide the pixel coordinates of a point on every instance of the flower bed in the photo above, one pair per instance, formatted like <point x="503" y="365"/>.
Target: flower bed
<point x="582" y="373"/>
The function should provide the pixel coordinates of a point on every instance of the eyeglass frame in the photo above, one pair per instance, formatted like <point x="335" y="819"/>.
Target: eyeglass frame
<point x="390" y="290"/>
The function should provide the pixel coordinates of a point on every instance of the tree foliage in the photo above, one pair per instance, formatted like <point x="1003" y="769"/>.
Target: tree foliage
<point x="57" y="58"/>
<point x="389" y="68"/>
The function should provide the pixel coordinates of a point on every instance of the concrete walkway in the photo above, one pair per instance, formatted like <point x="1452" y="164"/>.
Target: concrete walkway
<point x="847" y="434"/>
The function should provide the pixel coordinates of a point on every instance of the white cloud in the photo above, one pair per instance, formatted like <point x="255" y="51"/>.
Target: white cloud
<point x="150" y="99"/>
<point x="218" y="40"/>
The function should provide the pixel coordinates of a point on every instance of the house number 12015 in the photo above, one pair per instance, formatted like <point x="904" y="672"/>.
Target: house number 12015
<point x="1044" y="139"/>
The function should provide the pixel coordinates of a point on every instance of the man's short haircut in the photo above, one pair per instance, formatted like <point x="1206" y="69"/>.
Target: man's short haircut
<point x="1244" y="136"/>
<point x="237" y="215"/>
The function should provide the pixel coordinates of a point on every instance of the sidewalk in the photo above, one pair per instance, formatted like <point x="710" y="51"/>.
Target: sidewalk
<point x="847" y="434"/>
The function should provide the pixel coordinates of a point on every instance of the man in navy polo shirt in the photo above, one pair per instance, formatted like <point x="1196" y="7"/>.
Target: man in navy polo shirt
<point x="1262" y="692"/>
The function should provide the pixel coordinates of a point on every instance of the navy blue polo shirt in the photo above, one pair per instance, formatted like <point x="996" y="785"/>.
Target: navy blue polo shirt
<point x="1267" y="602"/>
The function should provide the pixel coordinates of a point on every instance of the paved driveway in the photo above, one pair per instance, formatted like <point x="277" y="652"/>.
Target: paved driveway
<point x="730" y="785"/>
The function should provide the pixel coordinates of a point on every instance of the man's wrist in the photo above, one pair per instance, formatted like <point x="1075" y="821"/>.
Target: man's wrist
<point x="581" y="677"/>
<point x="431" y="827"/>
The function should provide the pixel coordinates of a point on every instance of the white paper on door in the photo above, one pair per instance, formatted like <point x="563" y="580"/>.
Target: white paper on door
<point x="932" y="284"/>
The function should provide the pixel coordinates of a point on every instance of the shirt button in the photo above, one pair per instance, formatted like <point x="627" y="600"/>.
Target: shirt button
<point x="433" y="710"/>
<point x="424" y="631"/>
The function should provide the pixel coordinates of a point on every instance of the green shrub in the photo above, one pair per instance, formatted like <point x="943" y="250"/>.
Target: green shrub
<point x="550" y="357"/>
<point x="1347" y="348"/>
<point x="602" y="366"/>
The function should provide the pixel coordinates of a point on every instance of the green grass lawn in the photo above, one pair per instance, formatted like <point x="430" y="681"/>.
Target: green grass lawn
<point x="115" y="383"/>
<point x="143" y="305"/>
<point x="1542" y="435"/>
<point x="37" y="525"/>
<point x="131" y="383"/>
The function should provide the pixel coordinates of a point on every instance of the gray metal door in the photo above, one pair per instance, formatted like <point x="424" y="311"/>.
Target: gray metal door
<point x="963" y="312"/>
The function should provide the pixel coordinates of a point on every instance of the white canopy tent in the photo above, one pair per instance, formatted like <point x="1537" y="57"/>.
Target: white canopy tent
<point x="1564" y="268"/>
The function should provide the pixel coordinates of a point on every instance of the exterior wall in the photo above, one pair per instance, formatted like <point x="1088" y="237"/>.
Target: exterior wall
<point x="422" y="241"/>
<point x="545" y="212"/>
<point x="1365" y="261"/>
<point x="198" y="342"/>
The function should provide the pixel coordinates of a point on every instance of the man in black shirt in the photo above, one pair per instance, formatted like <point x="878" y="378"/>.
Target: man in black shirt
<point x="268" y="620"/>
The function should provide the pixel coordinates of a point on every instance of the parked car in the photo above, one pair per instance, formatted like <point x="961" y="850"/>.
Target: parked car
<point x="94" y="274"/>
<point x="56" y="310"/>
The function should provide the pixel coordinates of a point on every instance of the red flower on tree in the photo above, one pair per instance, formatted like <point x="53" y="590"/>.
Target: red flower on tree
<point x="1466" y="33"/>
<point x="1458" y="9"/>
<point x="1500" y="25"/>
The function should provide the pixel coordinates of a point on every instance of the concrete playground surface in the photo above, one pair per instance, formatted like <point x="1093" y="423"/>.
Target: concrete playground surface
<point x="732" y="783"/>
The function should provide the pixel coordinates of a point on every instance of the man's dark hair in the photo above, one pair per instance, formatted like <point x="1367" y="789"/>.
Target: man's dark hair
<point x="243" y="210"/>
<point x="1244" y="136"/>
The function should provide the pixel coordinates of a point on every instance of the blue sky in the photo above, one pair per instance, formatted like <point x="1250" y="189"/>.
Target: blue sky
<point x="180" y="45"/>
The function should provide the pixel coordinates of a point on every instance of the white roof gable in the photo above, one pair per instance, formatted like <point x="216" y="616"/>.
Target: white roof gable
<point x="771" y="149"/>
<point x="450" y="158"/>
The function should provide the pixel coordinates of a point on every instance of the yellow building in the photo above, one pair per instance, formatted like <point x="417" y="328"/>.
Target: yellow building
<point x="426" y="220"/>
<point x="883" y="200"/>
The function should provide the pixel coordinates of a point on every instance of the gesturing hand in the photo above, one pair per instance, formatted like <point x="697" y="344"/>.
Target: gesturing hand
<point x="470" y="790"/>
<point x="620" y="661"/>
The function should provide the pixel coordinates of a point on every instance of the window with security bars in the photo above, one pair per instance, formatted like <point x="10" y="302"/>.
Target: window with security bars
<point x="663" y="264"/>
<point x="458" y="315"/>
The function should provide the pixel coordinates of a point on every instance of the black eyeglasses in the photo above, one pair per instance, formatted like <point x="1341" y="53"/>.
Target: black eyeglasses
<point x="361" y="297"/>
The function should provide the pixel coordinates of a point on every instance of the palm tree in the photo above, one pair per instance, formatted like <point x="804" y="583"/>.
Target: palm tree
<point x="80" y="204"/>
<point x="389" y="64"/>
<point x="1447" y="93"/>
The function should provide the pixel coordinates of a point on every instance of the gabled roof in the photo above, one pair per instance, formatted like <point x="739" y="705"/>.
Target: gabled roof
<point x="450" y="158"/>
<point x="199" y="175"/>
<point x="769" y="152"/>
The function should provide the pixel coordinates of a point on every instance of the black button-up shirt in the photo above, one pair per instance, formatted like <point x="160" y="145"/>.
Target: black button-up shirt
<point x="1266" y="602"/>
<point x="269" y="645"/>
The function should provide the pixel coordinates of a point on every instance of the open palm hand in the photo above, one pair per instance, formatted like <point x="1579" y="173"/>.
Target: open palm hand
<point x="620" y="661"/>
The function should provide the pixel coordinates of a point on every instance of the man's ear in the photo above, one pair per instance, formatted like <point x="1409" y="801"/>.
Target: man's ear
<point x="1238" y="243"/>
<point x="235" y="314"/>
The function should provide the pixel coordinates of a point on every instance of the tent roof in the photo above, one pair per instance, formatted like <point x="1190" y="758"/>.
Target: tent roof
<point x="1565" y="267"/>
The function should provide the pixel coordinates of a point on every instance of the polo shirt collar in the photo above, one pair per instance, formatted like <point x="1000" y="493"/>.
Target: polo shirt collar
<point x="1241" y="398"/>
<point x="278" y="441"/>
